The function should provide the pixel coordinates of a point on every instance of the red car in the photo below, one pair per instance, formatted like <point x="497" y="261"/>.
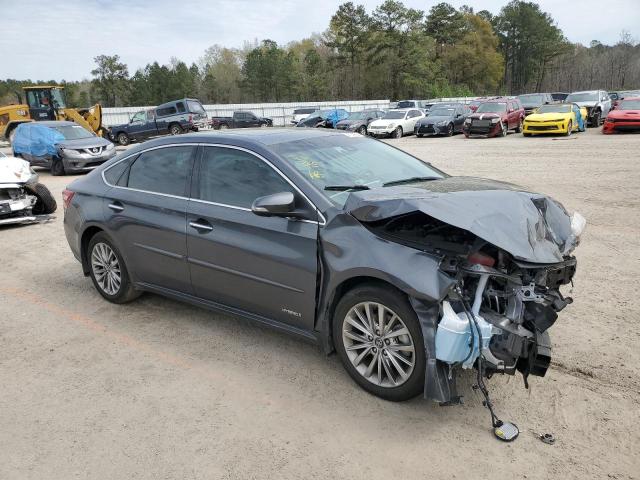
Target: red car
<point x="625" y="117"/>
<point x="494" y="118"/>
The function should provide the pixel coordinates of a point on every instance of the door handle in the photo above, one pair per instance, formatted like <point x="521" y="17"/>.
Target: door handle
<point x="201" y="225"/>
<point x="116" y="207"/>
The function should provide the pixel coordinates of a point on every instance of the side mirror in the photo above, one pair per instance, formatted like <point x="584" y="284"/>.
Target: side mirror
<point x="458" y="115"/>
<point x="280" y="204"/>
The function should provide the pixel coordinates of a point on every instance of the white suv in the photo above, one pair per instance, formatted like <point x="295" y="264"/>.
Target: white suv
<point x="396" y="123"/>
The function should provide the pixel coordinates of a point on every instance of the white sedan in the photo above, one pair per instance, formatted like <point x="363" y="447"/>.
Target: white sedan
<point x="396" y="123"/>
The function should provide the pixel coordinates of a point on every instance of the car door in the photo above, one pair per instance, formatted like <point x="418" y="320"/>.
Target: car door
<point x="138" y="126"/>
<point x="263" y="265"/>
<point x="606" y="103"/>
<point x="240" y="120"/>
<point x="458" y="119"/>
<point x="145" y="212"/>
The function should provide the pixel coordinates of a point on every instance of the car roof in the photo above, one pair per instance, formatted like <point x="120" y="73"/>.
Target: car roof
<point x="247" y="136"/>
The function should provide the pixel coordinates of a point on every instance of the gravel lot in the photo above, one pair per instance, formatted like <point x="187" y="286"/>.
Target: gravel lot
<point x="158" y="389"/>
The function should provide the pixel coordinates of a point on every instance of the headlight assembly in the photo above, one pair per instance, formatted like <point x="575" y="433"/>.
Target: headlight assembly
<point x="495" y="120"/>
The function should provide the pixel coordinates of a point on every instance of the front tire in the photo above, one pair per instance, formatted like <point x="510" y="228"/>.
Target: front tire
<point x="379" y="341"/>
<point x="108" y="271"/>
<point x="123" y="139"/>
<point x="397" y="133"/>
<point x="505" y="130"/>
<point x="45" y="202"/>
<point x="175" y="129"/>
<point x="595" y="120"/>
<point x="57" y="167"/>
<point x="569" y="129"/>
<point x="450" y="130"/>
<point x="362" y="130"/>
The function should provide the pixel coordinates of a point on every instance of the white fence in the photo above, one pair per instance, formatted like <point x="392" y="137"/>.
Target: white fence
<point x="280" y="113"/>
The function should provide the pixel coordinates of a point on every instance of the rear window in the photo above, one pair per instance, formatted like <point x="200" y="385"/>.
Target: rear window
<point x="492" y="107"/>
<point x="195" y="107"/>
<point x="406" y="104"/>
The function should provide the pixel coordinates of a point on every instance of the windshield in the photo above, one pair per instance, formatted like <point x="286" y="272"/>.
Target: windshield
<point x="303" y="111"/>
<point x="630" y="93"/>
<point x="629" y="105"/>
<point x="532" y="99"/>
<point x="583" y="97"/>
<point x="195" y="107"/>
<point x="554" y="109"/>
<point x="351" y="160"/>
<point x="492" y="107"/>
<point x="441" y="112"/>
<point x="73" y="132"/>
<point x="394" y="115"/>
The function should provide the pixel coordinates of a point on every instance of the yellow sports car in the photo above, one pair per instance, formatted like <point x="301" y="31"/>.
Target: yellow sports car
<point x="564" y="118"/>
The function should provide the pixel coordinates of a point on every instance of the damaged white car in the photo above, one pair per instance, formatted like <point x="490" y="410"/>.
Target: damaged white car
<point x="22" y="199"/>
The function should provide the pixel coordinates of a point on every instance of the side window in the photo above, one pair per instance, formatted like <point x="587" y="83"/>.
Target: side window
<point x="234" y="177"/>
<point x="163" y="112"/>
<point x="114" y="174"/>
<point x="150" y="115"/>
<point x="138" y="117"/>
<point x="164" y="170"/>
<point x="180" y="107"/>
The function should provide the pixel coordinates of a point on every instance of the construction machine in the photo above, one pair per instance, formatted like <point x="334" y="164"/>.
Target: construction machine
<point x="47" y="102"/>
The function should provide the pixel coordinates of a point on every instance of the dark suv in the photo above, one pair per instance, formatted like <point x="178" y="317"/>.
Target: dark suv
<point x="494" y="118"/>
<point x="338" y="238"/>
<point x="177" y="116"/>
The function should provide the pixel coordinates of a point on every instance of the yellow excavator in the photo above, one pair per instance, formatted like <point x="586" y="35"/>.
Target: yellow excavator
<point x="47" y="102"/>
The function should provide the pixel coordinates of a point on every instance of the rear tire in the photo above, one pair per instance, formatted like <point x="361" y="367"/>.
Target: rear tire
<point x="45" y="202"/>
<point x="372" y="360"/>
<point x="519" y="127"/>
<point x="450" y="130"/>
<point x="123" y="139"/>
<point x="104" y="260"/>
<point x="57" y="167"/>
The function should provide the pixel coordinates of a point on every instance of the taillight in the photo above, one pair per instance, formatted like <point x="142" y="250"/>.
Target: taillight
<point x="481" y="259"/>
<point x="67" y="196"/>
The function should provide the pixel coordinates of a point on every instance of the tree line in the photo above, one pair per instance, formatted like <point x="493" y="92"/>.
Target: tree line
<point x="391" y="52"/>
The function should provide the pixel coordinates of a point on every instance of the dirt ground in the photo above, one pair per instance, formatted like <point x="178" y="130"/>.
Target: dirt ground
<point x="159" y="389"/>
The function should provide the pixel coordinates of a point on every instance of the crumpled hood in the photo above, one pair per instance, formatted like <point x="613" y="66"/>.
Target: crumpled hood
<point x="532" y="227"/>
<point x="14" y="170"/>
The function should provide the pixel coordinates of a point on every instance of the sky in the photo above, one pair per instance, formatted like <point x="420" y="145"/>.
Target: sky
<point x="45" y="40"/>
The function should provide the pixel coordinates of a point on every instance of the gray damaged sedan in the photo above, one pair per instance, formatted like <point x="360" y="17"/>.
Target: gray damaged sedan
<point x="409" y="274"/>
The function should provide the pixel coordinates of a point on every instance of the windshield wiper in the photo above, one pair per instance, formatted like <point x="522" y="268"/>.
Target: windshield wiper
<point x="409" y="180"/>
<point x="344" y="188"/>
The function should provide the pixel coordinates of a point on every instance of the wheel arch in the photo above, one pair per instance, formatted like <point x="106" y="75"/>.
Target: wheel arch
<point x="86" y="237"/>
<point x="336" y="294"/>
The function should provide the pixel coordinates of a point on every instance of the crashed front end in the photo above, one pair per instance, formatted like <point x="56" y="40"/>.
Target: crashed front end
<point x="16" y="204"/>
<point x="506" y="255"/>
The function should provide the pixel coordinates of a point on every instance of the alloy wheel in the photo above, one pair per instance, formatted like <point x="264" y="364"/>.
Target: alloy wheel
<point x="106" y="268"/>
<point x="378" y="344"/>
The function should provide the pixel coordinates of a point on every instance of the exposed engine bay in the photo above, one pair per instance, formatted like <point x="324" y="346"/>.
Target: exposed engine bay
<point x="22" y="199"/>
<point x="500" y="308"/>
